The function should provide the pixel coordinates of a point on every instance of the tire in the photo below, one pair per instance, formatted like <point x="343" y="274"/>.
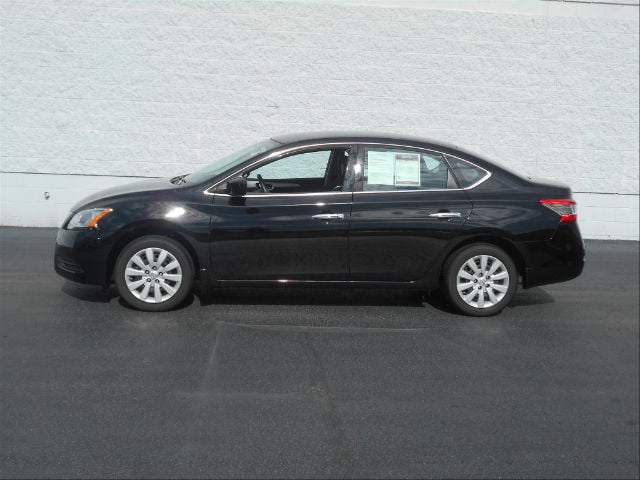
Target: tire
<point x="154" y="273"/>
<point x="480" y="279"/>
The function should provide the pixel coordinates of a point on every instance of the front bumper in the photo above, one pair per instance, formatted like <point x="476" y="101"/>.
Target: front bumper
<point x="82" y="256"/>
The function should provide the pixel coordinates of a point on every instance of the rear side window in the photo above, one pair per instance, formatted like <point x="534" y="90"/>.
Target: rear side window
<point x="391" y="169"/>
<point x="466" y="173"/>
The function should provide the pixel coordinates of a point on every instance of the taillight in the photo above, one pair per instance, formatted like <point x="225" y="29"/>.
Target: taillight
<point x="564" y="207"/>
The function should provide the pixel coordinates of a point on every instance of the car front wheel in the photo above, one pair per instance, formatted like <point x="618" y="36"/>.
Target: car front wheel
<point x="480" y="279"/>
<point x="154" y="273"/>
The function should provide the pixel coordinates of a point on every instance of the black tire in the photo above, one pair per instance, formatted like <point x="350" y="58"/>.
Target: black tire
<point x="483" y="296"/>
<point x="169" y="276"/>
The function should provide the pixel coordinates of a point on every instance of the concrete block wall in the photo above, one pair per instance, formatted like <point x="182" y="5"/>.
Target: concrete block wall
<point x="97" y="91"/>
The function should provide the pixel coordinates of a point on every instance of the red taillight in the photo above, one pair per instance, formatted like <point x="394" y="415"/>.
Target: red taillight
<point x="564" y="207"/>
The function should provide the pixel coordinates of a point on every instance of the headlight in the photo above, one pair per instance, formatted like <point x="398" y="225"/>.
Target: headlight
<point x="88" y="218"/>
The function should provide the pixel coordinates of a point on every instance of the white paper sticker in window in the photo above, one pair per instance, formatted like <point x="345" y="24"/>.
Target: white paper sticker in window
<point x="407" y="169"/>
<point x="380" y="168"/>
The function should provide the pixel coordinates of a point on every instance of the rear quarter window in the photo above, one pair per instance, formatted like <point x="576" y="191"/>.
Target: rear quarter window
<point x="466" y="173"/>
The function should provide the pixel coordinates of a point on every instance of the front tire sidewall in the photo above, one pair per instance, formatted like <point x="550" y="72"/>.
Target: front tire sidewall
<point x="458" y="259"/>
<point x="154" y="241"/>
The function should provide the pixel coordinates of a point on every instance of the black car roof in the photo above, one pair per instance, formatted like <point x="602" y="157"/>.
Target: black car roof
<point x="360" y="136"/>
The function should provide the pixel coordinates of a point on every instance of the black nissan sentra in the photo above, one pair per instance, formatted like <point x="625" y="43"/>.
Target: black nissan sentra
<point x="329" y="209"/>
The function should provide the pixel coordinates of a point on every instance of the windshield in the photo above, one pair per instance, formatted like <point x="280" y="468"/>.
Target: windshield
<point x="225" y="163"/>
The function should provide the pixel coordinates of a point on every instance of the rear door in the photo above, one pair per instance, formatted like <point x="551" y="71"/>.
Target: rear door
<point x="406" y="207"/>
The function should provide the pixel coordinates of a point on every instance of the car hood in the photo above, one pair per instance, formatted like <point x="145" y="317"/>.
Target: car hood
<point x="150" y="185"/>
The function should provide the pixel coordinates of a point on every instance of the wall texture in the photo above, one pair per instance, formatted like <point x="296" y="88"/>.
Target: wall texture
<point x="104" y="89"/>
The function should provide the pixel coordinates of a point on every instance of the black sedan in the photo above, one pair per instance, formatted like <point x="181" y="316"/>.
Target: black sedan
<point x="328" y="209"/>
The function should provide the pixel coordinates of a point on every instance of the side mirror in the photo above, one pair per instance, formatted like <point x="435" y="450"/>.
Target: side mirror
<point x="237" y="187"/>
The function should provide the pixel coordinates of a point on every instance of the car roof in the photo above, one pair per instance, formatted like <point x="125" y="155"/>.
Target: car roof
<point x="364" y="137"/>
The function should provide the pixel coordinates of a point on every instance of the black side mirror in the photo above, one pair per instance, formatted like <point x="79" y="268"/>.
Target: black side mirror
<point x="237" y="187"/>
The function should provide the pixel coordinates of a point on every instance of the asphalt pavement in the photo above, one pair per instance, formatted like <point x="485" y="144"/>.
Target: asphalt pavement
<point x="316" y="383"/>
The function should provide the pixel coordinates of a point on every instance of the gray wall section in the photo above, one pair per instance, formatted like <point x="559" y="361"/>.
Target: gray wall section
<point x="155" y="88"/>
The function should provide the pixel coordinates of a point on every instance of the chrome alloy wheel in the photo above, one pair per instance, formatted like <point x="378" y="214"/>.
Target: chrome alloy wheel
<point x="153" y="275"/>
<point x="482" y="281"/>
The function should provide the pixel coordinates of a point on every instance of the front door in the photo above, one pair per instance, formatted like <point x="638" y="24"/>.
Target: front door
<point x="292" y="224"/>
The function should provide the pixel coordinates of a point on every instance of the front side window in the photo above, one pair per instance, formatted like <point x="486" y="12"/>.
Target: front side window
<point x="303" y="165"/>
<point x="397" y="169"/>
<point x="305" y="172"/>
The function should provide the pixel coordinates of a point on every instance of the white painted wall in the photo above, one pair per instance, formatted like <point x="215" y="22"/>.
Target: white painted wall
<point x="154" y="88"/>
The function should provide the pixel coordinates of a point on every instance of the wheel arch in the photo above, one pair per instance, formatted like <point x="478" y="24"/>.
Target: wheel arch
<point x="160" y="228"/>
<point x="505" y="244"/>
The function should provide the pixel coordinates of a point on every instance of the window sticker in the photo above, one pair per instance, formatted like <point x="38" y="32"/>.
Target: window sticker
<point x="380" y="168"/>
<point x="407" y="169"/>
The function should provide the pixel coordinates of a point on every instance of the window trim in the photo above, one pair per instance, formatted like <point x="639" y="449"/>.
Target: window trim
<point x="360" y="146"/>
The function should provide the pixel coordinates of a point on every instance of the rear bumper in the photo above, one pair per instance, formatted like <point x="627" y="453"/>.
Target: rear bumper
<point x="557" y="260"/>
<point x="547" y="275"/>
<point x="81" y="256"/>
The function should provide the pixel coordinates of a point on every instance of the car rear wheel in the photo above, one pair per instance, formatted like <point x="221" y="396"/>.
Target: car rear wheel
<point x="480" y="279"/>
<point x="154" y="273"/>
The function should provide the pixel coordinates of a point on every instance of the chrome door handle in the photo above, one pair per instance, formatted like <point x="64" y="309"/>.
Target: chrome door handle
<point x="446" y="215"/>
<point x="328" y="216"/>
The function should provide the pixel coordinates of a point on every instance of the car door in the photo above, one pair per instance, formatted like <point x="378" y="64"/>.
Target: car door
<point x="291" y="225"/>
<point x="407" y="206"/>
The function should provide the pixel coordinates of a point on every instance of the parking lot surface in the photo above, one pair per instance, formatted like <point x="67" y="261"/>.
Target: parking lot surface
<point x="316" y="383"/>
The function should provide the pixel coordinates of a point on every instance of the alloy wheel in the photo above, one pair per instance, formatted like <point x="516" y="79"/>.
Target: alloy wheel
<point x="482" y="281"/>
<point x="153" y="275"/>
